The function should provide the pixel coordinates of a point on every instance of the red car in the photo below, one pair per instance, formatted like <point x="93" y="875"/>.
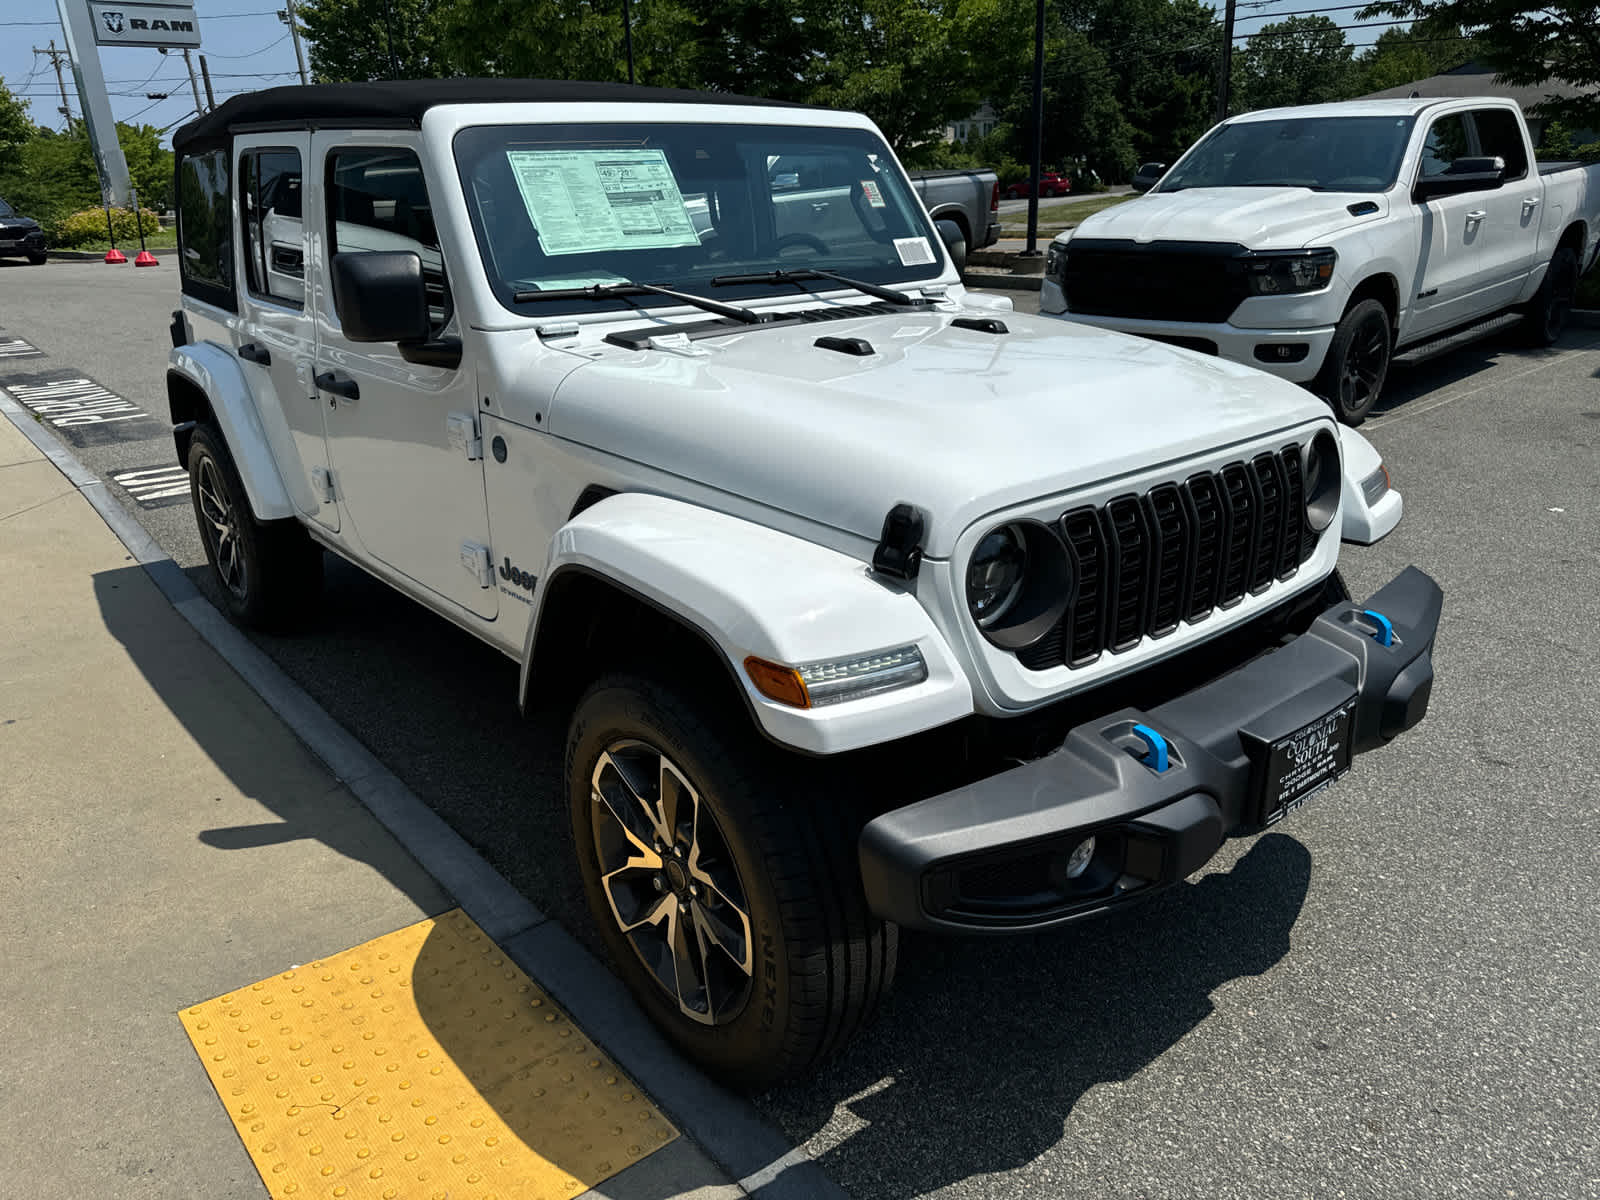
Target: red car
<point x="1050" y="184"/>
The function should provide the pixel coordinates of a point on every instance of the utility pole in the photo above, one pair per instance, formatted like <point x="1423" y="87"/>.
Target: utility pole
<point x="193" y="82"/>
<point x="1225" y="79"/>
<point x="1032" y="250"/>
<point x="627" y="36"/>
<point x="287" y="16"/>
<point x="205" y="74"/>
<point x="55" y="61"/>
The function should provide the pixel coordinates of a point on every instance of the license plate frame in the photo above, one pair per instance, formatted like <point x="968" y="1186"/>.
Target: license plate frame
<point x="1300" y="764"/>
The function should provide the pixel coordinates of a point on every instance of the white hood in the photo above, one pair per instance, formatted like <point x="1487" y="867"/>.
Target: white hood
<point x="1278" y="218"/>
<point x="957" y="422"/>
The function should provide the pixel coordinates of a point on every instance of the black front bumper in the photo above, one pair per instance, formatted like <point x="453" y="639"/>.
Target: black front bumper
<point x="18" y="241"/>
<point x="992" y="857"/>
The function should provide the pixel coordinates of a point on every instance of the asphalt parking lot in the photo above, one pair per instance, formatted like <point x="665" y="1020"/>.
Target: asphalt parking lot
<point x="1396" y="994"/>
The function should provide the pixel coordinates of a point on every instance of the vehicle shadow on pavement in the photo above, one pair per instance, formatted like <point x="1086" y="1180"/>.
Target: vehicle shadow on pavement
<point x="985" y="1047"/>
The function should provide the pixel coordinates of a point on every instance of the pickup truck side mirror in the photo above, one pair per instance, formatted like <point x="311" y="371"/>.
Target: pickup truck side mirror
<point x="954" y="241"/>
<point x="1148" y="175"/>
<point x="1482" y="174"/>
<point x="381" y="296"/>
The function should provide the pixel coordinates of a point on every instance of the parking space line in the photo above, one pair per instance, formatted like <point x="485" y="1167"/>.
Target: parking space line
<point x="422" y="1063"/>
<point x="1421" y="408"/>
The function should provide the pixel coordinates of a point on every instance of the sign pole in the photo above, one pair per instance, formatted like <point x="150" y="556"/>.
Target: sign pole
<point x="76" y="23"/>
<point x="193" y="82"/>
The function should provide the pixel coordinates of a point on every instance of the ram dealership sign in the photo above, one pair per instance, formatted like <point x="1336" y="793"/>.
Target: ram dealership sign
<point x="144" y="24"/>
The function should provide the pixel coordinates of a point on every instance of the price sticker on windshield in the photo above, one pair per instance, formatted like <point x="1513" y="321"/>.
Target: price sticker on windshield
<point x="874" y="193"/>
<point x="914" y="251"/>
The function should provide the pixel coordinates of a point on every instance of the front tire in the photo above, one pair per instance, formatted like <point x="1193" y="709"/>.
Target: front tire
<point x="268" y="572"/>
<point x="1353" y="374"/>
<point x="727" y="891"/>
<point x="1545" y="317"/>
<point x="37" y="257"/>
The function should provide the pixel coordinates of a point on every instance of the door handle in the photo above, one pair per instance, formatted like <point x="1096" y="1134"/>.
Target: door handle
<point x="251" y="352"/>
<point x="819" y="206"/>
<point x="1477" y="215"/>
<point x="1530" y="202"/>
<point x="339" y="384"/>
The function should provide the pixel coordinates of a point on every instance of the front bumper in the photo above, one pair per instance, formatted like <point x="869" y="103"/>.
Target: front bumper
<point x="1233" y="342"/>
<point x="991" y="857"/>
<point x="17" y="241"/>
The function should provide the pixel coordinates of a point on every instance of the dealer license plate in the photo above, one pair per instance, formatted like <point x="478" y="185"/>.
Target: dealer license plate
<point x="1305" y="762"/>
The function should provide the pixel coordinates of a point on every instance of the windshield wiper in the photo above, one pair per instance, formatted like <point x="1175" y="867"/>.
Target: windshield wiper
<point x="604" y="291"/>
<point x="804" y="273"/>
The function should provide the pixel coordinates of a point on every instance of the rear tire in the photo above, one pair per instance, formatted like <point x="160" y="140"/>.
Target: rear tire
<point x="269" y="572"/>
<point x="37" y="257"/>
<point x="1545" y="316"/>
<point x="1353" y="374"/>
<point x="780" y="960"/>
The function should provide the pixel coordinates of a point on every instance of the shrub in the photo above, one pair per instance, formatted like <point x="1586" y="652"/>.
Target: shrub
<point x="88" y="227"/>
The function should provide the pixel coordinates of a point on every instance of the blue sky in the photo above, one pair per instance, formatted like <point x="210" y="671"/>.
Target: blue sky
<point x="247" y="47"/>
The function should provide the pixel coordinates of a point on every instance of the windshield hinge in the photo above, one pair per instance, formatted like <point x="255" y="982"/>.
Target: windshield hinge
<point x="475" y="561"/>
<point x="556" y="329"/>
<point x="463" y="431"/>
<point x="322" y="484"/>
<point x="899" y="550"/>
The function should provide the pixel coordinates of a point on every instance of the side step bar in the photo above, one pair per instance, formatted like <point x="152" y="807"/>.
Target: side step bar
<point x="1423" y="351"/>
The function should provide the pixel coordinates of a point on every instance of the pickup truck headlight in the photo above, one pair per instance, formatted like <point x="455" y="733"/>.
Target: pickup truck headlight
<point x="1018" y="582"/>
<point x="1288" y="272"/>
<point x="1055" y="261"/>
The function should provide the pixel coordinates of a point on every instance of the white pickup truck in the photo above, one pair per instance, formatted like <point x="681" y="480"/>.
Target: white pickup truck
<point x="1318" y="242"/>
<point x="865" y="601"/>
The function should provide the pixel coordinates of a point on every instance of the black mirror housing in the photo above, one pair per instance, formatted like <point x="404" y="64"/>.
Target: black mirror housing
<point x="380" y="296"/>
<point x="1474" y="174"/>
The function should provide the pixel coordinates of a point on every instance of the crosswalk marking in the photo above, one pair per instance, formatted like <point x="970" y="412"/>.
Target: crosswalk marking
<point x="68" y="402"/>
<point x="13" y="347"/>
<point x="154" y="483"/>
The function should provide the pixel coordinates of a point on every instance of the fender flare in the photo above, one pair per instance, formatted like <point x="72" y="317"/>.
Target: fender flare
<point x="217" y="374"/>
<point x="748" y="590"/>
<point x="1361" y="522"/>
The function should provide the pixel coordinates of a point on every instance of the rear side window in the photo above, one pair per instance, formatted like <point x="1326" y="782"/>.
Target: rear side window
<point x="1500" y="135"/>
<point x="269" y="196"/>
<point x="1447" y="141"/>
<point x="205" y="221"/>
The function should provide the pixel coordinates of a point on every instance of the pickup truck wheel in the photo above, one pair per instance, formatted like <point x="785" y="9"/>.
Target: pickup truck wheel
<point x="269" y="573"/>
<point x="1352" y="376"/>
<point x="728" y="895"/>
<point x="37" y="257"/>
<point x="1545" y="317"/>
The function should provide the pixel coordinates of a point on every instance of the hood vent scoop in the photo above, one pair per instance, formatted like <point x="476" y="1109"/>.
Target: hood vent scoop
<point x="980" y="324"/>
<point x="859" y="347"/>
<point x="1363" y="208"/>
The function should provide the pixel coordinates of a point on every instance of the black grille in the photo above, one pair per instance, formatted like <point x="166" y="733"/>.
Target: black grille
<point x="1160" y="281"/>
<point x="1180" y="551"/>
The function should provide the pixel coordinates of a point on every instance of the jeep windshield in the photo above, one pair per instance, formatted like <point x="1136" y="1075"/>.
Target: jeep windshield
<point x="1325" y="154"/>
<point x="561" y="208"/>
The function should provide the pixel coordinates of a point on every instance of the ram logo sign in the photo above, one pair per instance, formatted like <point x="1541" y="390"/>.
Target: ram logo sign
<point x="138" y="24"/>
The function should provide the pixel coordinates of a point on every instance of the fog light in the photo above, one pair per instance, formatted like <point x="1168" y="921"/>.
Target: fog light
<point x="1282" y="352"/>
<point x="1078" y="860"/>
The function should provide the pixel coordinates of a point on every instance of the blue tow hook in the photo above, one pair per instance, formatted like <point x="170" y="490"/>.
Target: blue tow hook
<point x="1155" y="752"/>
<point x="1385" y="634"/>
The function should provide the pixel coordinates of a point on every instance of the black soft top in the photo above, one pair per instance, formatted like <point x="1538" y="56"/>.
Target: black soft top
<point x="403" y="101"/>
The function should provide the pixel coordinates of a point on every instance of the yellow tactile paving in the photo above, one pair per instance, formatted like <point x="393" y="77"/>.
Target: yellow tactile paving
<point x="420" y="1065"/>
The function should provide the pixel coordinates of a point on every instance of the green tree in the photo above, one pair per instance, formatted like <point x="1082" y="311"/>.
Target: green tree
<point x="355" y="40"/>
<point x="1402" y="56"/>
<point x="1527" y="46"/>
<point x="1299" y="60"/>
<point x="16" y="127"/>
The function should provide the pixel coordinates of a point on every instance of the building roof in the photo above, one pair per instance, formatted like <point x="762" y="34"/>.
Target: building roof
<point x="403" y="101"/>
<point x="1475" y="79"/>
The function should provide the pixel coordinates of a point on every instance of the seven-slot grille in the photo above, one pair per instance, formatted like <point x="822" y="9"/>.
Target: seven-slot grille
<point x="1142" y="564"/>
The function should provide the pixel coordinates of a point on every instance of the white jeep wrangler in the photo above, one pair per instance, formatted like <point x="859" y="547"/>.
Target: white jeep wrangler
<point x="870" y="602"/>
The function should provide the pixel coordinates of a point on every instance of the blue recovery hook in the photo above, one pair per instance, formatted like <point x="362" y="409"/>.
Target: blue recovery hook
<point x="1385" y="634"/>
<point x="1155" y="754"/>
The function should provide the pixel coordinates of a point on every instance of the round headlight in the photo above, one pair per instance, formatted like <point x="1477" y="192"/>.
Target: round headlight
<point x="1322" y="481"/>
<point x="995" y="573"/>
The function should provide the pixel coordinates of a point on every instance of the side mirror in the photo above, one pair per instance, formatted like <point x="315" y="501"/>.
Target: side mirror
<point x="954" y="241"/>
<point x="1148" y="175"/>
<point x="380" y="296"/>
<point x="1480" y="174"/>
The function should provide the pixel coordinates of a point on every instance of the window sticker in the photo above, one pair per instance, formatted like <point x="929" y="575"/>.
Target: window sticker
<point x="913" y="251"/>
<point x="874" y="193"/>
<point x="581" y="201"/>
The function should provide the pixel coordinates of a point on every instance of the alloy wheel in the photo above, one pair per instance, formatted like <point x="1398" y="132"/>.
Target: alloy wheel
<point x="222" y="529"/>
<point x="670" y="881"/>
<point x="1366" y="362"/>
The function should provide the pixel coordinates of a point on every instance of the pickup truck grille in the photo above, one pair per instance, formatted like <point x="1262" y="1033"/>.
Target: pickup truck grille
<point x="1158" y="281"/>
<point x="1143" y="563"/>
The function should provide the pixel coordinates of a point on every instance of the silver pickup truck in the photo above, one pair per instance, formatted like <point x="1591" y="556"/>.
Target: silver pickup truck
<point x="968" y="200"/>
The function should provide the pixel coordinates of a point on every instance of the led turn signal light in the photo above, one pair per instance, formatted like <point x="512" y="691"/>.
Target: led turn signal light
<point x="779" y="683"/>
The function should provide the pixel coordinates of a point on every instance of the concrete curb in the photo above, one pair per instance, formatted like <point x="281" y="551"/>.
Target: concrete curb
<point x="728" y="1128"/>
<point x="99" y="255"/>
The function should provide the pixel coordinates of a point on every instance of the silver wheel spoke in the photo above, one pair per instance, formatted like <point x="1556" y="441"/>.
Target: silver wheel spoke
<point x="637" y="815"/>
<point x="689" y="967"/>
<point x="728" y="929"/>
